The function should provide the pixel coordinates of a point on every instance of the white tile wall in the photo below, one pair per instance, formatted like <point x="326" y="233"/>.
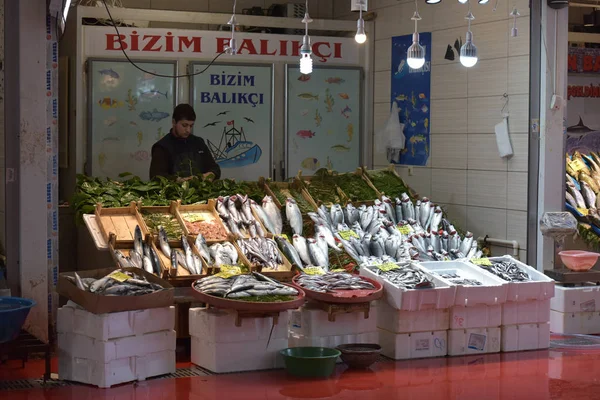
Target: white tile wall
<point x="518" y="75"/>
<point x="420" y="180"/>
<point x="483" y="153"/>
<point x="449" y="116"/>
<point x="518" y="162"/>
<point x="383" y="55"/>
<point x="516" y="227"/>
<point x="456" y="213"/>
<point x="491" y="40"/>
<point x="449" y="151"/>
<point x="487" y="221"/>
<point x="448" y="82"/>
<point x="518" y="106"/>
<point x="517" y="191"/>
<point x="519" y="46"/>
<point x="449" y="186"/>
<point x="487" y="189"/>
<point x="488" y="78"/>
<point x="382" y="87"/>
<point x="484" y="113"/>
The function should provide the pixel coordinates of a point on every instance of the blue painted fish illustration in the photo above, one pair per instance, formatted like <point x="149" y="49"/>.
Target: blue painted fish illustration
<point x="346" y="112"/>
<point x="109" y="72"/>
<point x="153" y="115"/>
<point x="152" y="94"/>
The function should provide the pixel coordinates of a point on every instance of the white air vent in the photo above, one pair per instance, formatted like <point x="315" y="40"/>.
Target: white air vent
<point x="356" y="5"/>
<point x="295" y="10"/>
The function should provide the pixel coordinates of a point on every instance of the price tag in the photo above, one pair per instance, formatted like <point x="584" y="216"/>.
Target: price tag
<point x="283" y="235"/>
<point x="227" y="271"/>
<point x="346" y="235"/>
<point x="338" y="270"/>
<point x="119" y="276"/>
<point x="578" y="165"/>
<point x="582" y="211"/>
<point x="388" y="266"/>
<point x="482" y="261"/>
<point x="405" y="229"/>
<point x="314" y="271"/>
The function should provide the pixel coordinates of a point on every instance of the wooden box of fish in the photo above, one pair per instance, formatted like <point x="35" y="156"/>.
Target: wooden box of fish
<point x="119" y="220"/>
<point x="223" y="254"/>
<point x="166" y="217"/>
<point x="181" y="260"/>
<point x="247" y="292"/>
<point x="141" y="254"/>
<point x="525" y="337"/>
<point x="239" y="217"/>
<point x="356" y="188"/>
<point x="264" y="255"/>
<point x="104" y="291"/>
<point x="524" y="282"/>
<point x="322" y="187"/>
<point x="408" y="287"/>
<point x="339" y="287"/>
<point x="473" y="285"/>
<point x="203" y="219"/>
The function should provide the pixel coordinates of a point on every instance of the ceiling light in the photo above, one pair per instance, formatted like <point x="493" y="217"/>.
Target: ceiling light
<point x="433" y="1"/>
<point x="232" y="48"/>
<point x="361" y="36"/>
<point x="415" y="55"/>
<point x="483" y="1"/>
<point x="514" y="31"/>
<point x="462" y="1"/>
<point x="468" y="51"/>
<point x="306" y="62"/>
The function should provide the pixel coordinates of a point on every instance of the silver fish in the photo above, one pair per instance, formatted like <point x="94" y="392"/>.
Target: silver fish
<point x="189" y="256"/>
<point x="289" y="251"/>
<point x="294" y="216"/>
<point x="437" y="219"/>
<point x="319" y="259"/>
<point x="203" y="248"/>
<point x="148" y="265"/>
<point x="418" y="205"/>
<point x="302" y="248"/>
<point x="163" y="242"/>
<point x="571" y="200"/>
<point x="232" y="208"/>
<point x="273" y="213"/>
<point x="122" y="260"/>
<point x="222" y="207"/>
<point x="266" y="220"/>
<point x="337" y="215"/>
<point x="322" y="243"/>
<point x="351" y="213"/>
<point x="389" y="208"/>
<point x="324" y="213"/>
<point x="588" y="195"/>
<point x="425" y="211"/>
<point x="79" y="282"/>
<point x="466" y="243"/>
<point x="366" y="218"/>
<point x="155" y="261"/>
<point x="136" y="259"/>
<point x="377" y="246"/>
<point x="174" y="262"/>
<point x="137" y="241"/>
<point x="576" y="194"/>
<point x="399" y="211"/>
<point x="247" y="208"/>
<point x="323" y="230"/>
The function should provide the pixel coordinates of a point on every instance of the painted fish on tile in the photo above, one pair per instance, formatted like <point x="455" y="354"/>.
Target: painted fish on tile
<point x="131" y="100"/>
<point x="346" y="112"/>
<point x="401" y="97"/>
<point x="310" y="163"/>
<point x="329" y="102"/>
<point x="153" y="115"/>
<point x="304" y="113"/>
<point x="109" y="72"/>
<point x="413" y="124"/>
<point x="141" y="155"/>
<point x="140" y="137"/>
<point x="108" y="102"/>
<point x="318" y="118"/>
<point x="309" y="96"/>
<point x="153" y="94"/>
<point x="424" y="108"/>
<point x="340" y="148"/>
<point x="304" y="78"/>
<point x="350" y="131"/>
<point x="335" y="80"/>
<point x="413" y="99"/>
<point x="426" y="123"/>
<point x="344" y="96"/>
<point x="110" y="121"/>
<point x="422" y="96"/>
<point x="305" y="134"/>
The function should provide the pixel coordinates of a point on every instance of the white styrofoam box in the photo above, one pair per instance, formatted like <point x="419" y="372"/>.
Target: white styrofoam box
<point x="238" y="356"/>
<point x="332" y="341"/>
<point x="525" y="337"/>
<point x="492" y="291"/>
<point x="526" y="312"/>
<point x="399" y="321"/>
<point x="587" y="323"/>
<point x="218" y="326"/>
<point x="88" y="348"/>
<point x="309" y="321"/>
<point x="73" y="319"/>
<point x="479" y="316"/>
<point x="405" y="346"/>
<point x="473" y="341"/>
<point x="441" y="296"/>
<point x="121" y="370"/>
<point x="541" y="287"/>
<point x="584" y="298"/>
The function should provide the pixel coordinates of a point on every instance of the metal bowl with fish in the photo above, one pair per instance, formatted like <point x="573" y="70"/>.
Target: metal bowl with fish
<point x="247" y="292"/>
<point x="339" y="287"/>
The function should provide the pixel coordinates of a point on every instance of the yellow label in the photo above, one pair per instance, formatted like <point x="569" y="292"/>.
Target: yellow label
<point x="482" y="261"/>
<point x="227" y="271"/>
<point x="346" y="235"/>
<point x="337" y="270"/>
<point x="194" y="217"/>
<point x="405" y="229"/>
<point x="119" y="276"/>
<point x="388" y="266"/>
<point x="314" y="271"/>
<point x="582" y="211"/>
<point x="283" y="235"/>
<point x="578" y="165"/>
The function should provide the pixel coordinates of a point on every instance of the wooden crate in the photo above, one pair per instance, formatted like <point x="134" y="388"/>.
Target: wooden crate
<point x="119" y="220"/>
<point x="359" y="172"/>
<point x="285" y="273"/>
<point x="295" y="184"/>
<point x="170" y="210"/>
<point x="391" y="168"/>
<point x="306" y="181"/>
<point x="206" y="209"/>
<point x="244" y="232"/>
<point x="180" y="277"/>
<point x="242" y="260"/>
<point x="126" y="249"/>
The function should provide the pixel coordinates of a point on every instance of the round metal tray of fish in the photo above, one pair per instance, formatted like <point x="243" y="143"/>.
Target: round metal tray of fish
<point x="217" y="299"/>
<point x="339" y="287"/>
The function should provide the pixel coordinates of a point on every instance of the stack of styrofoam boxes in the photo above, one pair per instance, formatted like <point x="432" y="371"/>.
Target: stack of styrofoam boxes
<point x="413" y="323"/>
<point x="310" y="327"/>
<point x="109" y="349"/>
<point x="575" y="310"/>
<point x="220" y="346"/>
<point x="475" y="316"/>
<point x="526" y="313"/>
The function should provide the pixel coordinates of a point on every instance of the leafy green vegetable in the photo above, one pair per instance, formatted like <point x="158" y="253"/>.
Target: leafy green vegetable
<point x="322" y="187"/>
<point x="253" y="190"/>
<point x="341" y="260"/>
<point x="355" y="187"/>
<point x="283" y="194"/>
<point x="387" y="182"/>
<point x="167" y="221"/>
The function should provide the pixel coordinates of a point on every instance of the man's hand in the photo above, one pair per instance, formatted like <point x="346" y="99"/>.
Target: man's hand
<point x="180" y="180"/>
<point x="209" y="176"/>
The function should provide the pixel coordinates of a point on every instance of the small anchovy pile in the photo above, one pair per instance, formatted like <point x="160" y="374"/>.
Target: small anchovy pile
<point x="458" y="280"/>
<point x="333" y="281"/>
<point x="141" y="256"/>
<point x="407" y="277"/>
<point x="397" y="231"/>
<point x="136" y="285"/>
<point x="243" y="286"/>
<point x="186" y="258"/>
<point x="508" y="270"/>
<point x="262" y="251"/>
<point x="236" y="213"/>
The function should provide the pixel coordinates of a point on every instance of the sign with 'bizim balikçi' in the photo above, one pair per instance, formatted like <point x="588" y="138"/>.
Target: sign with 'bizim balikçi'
<point x="584" y="61"/>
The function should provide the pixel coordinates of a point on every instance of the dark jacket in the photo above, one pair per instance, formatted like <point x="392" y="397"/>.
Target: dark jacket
<point x="176" y="157"/>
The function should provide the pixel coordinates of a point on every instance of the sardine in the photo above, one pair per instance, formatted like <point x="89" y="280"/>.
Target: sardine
<point x="294" y="216"/>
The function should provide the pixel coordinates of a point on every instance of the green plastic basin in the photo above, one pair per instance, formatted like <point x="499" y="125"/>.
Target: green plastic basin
<point x="310" y="362"/>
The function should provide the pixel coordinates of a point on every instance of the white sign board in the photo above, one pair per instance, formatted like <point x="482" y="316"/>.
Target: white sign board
<point x="191" y="44"/>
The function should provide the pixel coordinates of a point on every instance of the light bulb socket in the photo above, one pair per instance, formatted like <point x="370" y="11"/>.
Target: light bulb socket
<point x="232" y="22"/>
<point x="416" y="38"/>
<point x="360" y="26"/>
<point x="514" y="32"/>
<point x="306" y="48"/>
<point x="468" y="37"/>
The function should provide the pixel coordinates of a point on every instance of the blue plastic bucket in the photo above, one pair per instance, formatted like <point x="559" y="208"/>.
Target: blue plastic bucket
<point x="13" y="312"/>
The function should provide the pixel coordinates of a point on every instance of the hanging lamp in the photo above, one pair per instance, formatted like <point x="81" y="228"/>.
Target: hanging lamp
<point x="468" y="51"/>
<point x="415" y="55"/>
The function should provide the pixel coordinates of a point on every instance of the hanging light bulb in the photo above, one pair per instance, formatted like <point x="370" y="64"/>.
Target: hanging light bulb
<point x="483" y="1"/>
<point x="232" y="48"/>
<point x="462" y="1"/>
<point x="306" y="62"/>
<point x="514" y="31"/>
<point x="361" y="36"/>
<point x="415" y="55"/>
<point x="433" y="1"/>
<point x="468" y="51"/>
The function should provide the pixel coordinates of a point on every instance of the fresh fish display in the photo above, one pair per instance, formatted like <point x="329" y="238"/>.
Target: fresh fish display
<point x="333" y="281"/>
<point x="301" y="247"/>
<point x="294" y="216"/>
<point x="273" y="214"/>
<point x="219" y="254"/>
<point x="244" y="287"/>
<point x="407" y="277"/>
<point x="133" y="285"/>
<point x="236" y="213"/>
<point x="459" y="280"/>
<point x="262" y="251"/>
<point x="289" y="251"/>
<point x="317" y="256"/>
<point x="507" y="270"/>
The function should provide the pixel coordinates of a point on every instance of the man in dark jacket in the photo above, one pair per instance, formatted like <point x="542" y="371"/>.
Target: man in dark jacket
<point x="179" y="153"/>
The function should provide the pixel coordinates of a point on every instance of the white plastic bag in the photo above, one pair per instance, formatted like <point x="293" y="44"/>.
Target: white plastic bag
<point x="391" y="139"/>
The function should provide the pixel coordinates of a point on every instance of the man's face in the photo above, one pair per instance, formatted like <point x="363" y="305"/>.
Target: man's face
<point x="183" y="128"/>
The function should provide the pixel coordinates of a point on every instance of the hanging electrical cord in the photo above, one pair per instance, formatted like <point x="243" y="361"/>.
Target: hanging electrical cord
<point x="360" y="36"/>
<point x="306" y="62"/>
<point x="232" y="48"/>
<point x="150" y="72"/>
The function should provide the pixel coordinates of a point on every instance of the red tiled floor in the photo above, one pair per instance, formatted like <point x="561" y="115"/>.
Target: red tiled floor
<point x="548" y="374"/>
